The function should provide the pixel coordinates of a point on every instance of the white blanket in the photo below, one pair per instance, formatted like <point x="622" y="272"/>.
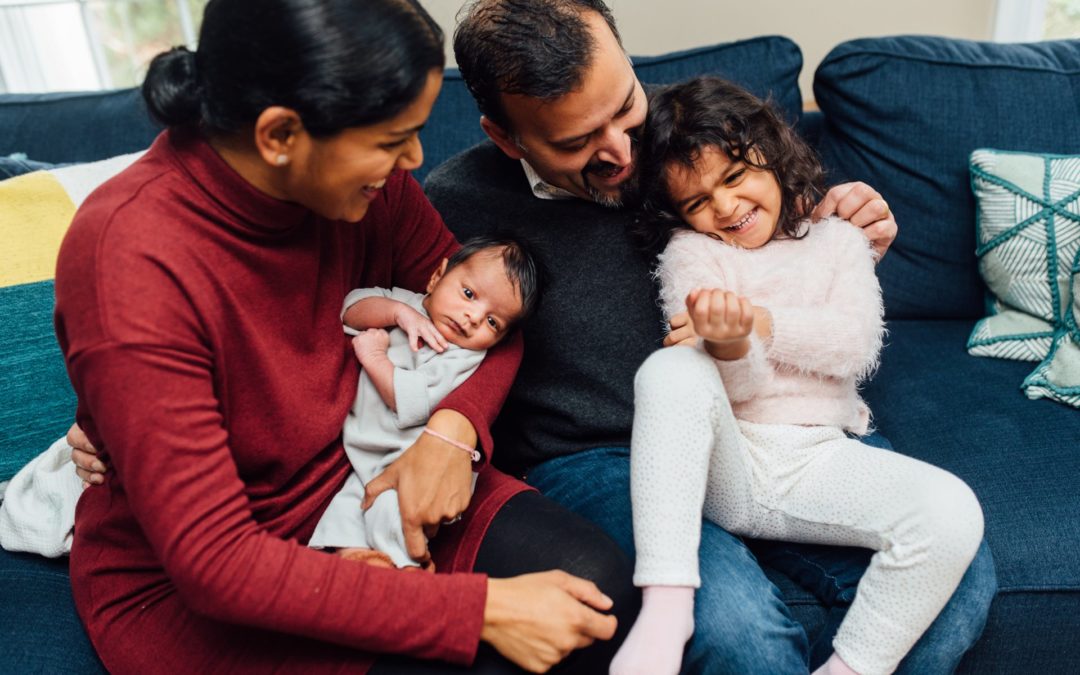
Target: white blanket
<point x="38" y="512"/>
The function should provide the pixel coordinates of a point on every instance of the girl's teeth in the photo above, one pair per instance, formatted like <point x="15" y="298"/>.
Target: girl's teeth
<point x="742" y="221"/>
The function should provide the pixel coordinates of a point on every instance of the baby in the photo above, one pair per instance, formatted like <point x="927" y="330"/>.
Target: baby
<point x="434" y="342"/>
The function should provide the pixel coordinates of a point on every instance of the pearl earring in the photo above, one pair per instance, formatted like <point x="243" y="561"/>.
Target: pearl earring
<point x="282" y="159"/>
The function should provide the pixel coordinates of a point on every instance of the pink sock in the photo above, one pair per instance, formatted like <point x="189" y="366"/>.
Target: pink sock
<point x="835" y="666"/>
<point x="656" y="642"/>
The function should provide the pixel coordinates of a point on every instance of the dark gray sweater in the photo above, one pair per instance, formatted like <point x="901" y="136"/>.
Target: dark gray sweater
<point x="599" y="318"/>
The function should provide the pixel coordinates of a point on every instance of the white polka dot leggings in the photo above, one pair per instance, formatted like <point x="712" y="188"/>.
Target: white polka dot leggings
<point x="690" y="456"/>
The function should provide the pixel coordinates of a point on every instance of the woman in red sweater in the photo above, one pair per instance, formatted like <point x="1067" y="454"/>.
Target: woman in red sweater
<point x="198" y="307"/>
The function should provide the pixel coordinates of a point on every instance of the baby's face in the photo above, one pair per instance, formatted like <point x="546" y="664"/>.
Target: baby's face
<point x="732" y="200"/>
<point x="474" y="304"/>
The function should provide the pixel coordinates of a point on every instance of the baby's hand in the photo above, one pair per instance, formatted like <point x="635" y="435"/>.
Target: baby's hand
<point x="720" y="316"/>
<point x="418" y="327"/>
<point x="371" y="342"/>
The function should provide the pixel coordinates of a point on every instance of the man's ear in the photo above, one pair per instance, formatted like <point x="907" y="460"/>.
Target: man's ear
<point x="279" y="135"/>
<point x="501" y="138"/>
<point x="436" y="275"/>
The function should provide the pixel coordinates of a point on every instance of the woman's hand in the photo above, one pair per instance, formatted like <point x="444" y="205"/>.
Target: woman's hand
<point x="433" y="480"/>
<point x="84" y="456"/>
<point x="536" y="620"/>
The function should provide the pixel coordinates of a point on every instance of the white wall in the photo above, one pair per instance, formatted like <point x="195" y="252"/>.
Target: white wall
<point x="656" y="26"/>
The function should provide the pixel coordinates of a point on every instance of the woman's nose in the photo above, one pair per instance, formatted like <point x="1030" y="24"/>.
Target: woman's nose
<point x="412" y="156"/>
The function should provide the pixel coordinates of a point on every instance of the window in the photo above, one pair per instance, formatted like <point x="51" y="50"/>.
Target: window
<point x="1031" y="20"/>
<point x="71" y="45"/>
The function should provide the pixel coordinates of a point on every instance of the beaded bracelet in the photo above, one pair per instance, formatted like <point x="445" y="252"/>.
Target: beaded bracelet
<point x="473" y="452"/>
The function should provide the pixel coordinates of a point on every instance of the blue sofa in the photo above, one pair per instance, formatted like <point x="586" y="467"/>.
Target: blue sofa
<point x="901" y="114"/>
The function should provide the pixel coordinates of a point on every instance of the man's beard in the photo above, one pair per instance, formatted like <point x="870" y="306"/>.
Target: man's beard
<point x="608" y="201"/>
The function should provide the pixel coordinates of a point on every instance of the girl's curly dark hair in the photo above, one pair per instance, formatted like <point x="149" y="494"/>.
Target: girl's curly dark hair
<point x="704" y="112"/>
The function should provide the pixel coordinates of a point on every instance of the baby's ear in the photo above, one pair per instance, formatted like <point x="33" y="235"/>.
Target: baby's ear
<point x="437" y="274"/>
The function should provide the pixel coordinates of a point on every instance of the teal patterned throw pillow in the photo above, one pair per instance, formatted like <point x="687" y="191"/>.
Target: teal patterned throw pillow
<point x="1028" y="230"/>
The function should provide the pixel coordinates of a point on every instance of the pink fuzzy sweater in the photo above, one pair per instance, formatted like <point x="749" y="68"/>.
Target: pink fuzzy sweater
<point x="827" y="320"/>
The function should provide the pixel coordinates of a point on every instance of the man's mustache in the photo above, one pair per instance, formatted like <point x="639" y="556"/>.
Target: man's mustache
<point x="603" y="169"/>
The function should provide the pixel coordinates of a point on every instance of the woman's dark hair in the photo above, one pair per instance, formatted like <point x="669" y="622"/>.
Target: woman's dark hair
<point x="704" y="112"/>
<point x="337" y="63"/>
<point x="523" y="266"/>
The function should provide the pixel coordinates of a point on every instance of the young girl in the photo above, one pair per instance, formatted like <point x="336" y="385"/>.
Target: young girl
<point x="789" y="314"/>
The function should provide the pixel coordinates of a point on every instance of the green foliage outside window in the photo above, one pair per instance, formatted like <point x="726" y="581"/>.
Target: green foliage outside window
<point x="132" y="32"/>
<point x="1062" y="19"/>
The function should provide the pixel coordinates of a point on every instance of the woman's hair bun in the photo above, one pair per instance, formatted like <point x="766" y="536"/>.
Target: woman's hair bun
<point x="171" y="88"/>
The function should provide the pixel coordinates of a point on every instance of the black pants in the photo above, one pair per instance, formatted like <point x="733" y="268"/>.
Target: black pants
<point x="532" y="534"/>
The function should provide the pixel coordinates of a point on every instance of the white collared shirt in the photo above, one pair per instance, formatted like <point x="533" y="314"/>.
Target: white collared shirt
<point x="543" y="189"/>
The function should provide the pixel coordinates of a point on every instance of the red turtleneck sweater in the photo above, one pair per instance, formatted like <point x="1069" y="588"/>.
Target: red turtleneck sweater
<point x="200" y="322"/>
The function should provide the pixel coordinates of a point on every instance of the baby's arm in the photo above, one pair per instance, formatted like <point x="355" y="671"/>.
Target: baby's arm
<point x="370" y="347"/>
<point x="382" y="312"/>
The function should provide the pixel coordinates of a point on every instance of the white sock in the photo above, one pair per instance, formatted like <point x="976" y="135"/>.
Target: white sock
<point x="656" y="642"/>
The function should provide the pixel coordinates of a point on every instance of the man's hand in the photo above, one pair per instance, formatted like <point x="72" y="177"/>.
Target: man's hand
<point x="864" y="207"/>
<point x="682" y="331"/>
<point x="419" y="327"/>
<point x="84" y="456"/>
<point x="433" y="480"/>
<point x="371" y="343"/>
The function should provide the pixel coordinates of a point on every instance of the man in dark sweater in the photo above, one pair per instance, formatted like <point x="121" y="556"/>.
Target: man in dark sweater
<point x="561" y="104"/>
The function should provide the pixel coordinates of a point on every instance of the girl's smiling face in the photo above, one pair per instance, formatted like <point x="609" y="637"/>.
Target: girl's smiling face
<point x="732" y="200"/>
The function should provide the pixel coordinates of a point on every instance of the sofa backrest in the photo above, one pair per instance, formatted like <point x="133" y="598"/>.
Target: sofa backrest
<point x="81" y="127"/>
<point x="75" y="126"/>
<point x="903" y="114"/>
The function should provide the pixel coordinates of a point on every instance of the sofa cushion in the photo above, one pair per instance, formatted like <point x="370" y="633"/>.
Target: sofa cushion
<point x="18" y="164"/>
<point x="936" y="402"/>
<point x="39" y="629"/>
<point x="903" y="114"/>
<point x="1028" y="234"/>
<point x="75" y="127"/>
<point x="37" y="403"/>
<point x="768" y="66"/>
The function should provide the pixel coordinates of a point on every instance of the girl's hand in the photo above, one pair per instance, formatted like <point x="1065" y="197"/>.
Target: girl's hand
<point x="536" y="620"/>
<point x="84" y="456"/>
<point x="720" y="316"/>
<point x="419" y="327"/>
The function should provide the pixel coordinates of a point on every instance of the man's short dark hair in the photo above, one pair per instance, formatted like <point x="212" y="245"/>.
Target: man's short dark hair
<point x="523" y="267"/>
<point x="534" y="48"/>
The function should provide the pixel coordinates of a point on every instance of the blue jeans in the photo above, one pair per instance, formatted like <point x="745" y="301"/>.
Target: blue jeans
<point x="741" y="622"/>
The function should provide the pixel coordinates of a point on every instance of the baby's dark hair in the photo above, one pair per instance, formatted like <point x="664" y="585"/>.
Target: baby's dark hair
<point x="523" y="266"/>
<point x="688" y="117"/>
